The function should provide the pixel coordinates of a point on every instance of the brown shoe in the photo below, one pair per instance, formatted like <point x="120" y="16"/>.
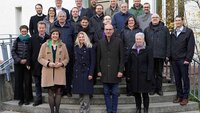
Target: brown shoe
<point x="184" y="102"/>
<point x="177" y="100"/>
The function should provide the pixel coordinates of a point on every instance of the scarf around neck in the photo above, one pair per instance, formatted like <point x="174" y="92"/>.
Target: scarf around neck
<point x="24" y="38"/>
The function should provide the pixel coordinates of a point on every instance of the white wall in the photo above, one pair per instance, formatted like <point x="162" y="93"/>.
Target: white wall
<point x="8" y="9"/>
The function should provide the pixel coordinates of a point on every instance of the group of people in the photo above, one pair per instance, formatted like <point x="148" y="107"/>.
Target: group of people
<point x="67" y="50"/>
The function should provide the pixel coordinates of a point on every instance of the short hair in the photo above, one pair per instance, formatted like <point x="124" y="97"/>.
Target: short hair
<point x="123" y="3"/>
<point x="62" y="12"/>
<point x="23" y="27"/>
<point x="146" y="3"/>
<point x="139" y="34"/>
<point x="136" y="23"/>
<point x="41" y="23"/>
<point x="99" y="5"/>
<point x="39" y="5"/>
<point x="87" y="42"/>
<point x="85" y="18"/>
<point x="155" y="14"/>
<point x="179" y="16"/>
<point x="55" y="30"/>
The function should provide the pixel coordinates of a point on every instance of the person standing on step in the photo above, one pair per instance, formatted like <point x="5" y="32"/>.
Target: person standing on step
<point x="128" y="38"/>
<point x="114" y="8"/>
<point x="23" y="79"/>
<point x="82" y="11"/>
<point x="75" y="18"/>
<point x="84" y="64"/>
<point x="59" y="8"/>
<point x="182" y="52"/>
<point x="140" y="72"/>
<point x="53" y="56"/>
<point x="91" y="10"/>
<point x="110" y="66"/>
<point x="33" y="29"/>
<point x="34" y="47"/>
<point x="158" y="38"/>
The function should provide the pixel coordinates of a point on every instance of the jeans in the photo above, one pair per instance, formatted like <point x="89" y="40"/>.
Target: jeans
<point x="181" y="74"/>
<point x="111" y="93"/>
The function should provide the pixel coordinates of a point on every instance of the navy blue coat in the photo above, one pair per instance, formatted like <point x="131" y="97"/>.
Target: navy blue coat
<point x="84" y="64"/>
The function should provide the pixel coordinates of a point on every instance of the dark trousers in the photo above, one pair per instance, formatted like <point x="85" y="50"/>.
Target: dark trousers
<point x="158" y="71"/>
<point x="38" y="88"/>
<point x="69" y="72"/>
<point x="181" y="74"/>
<point x="23" y="84"/>
<point x="138" y="100"/>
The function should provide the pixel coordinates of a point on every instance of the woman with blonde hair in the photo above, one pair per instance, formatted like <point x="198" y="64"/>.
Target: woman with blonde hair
<point x="53" y="57"/>
<point x="84" y="63"/>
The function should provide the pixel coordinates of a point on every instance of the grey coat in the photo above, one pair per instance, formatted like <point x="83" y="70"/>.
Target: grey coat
<point x="110" y="59"/>
<point x="144" y="20"/>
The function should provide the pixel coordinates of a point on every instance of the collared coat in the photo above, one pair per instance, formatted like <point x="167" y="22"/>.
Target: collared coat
<point x="136" y="12"/>
<point x="53" y="76"/>
<point x="140" y="70"/>
<point x="110" y="12"/>
<point x="110" y="59"/>
<point x="84" y="64"/>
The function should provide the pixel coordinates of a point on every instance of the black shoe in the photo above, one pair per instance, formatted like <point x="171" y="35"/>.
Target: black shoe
<point x="145" y="110"/>
<point x="26" y="103"/>
<point x="129" y="94"/>
<point x="160" y="93"/>
<point x="91" y="96"/>
<point x="69" y="94"/>
<point x="152" y="93"/>
<point x="36" y="103"/>
<point x="21" y="103"/>
<point x="138" y="110"/>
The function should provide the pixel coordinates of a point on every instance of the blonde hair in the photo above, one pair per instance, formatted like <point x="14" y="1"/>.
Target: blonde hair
<point x="87" y="42"/>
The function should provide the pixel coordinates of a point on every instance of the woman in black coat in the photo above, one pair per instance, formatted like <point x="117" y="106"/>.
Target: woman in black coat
<point x="128" y="37"/>
<point x="84" y="64"/>
<point x="23" y="81"/>
<point x="140" y="72"/>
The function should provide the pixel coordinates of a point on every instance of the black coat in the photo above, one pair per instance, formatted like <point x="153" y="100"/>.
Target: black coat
<point x="140" y="70"/>
<point x="110" y="59"/>
<point x="34" y="48"/>
<point x="83" y="67"/>
<point x="158" y="38"/>
<point x="19" y="50"/>
<point x="90" y="12"/>
<point x="83" y="12"/>
<point x="182" y="47"/>
<point x="128" y="37"/>
<point x="97" y="25"/>
<point x="75" y="24"/>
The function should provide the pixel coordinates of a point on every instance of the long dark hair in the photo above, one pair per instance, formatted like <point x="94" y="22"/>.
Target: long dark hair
<point x="136" y="23"/>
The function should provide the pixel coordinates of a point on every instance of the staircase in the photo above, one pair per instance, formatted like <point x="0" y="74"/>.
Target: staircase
<point x="158" y="104"/>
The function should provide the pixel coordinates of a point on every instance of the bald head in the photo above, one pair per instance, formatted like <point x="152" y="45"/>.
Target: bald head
<point x="108" y="30"/>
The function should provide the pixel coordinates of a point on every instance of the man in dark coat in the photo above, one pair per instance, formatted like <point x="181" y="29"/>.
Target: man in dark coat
<point x="158" y="38"/>
<point x="75" y="18"/>
<point x="110" y="66"/>
<point x="82" y="11"/>
<point x="91" y="10"/>
<point x="33" y="29"/>
<point x="67" y="37"/>
<point x="34" y="47"/>
<point x="96" y="21"/>
<point x="60" y="8"/>
<point x="182" y="51"/>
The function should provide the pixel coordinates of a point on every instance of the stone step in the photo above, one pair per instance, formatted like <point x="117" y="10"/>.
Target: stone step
<point x="98" y="89"/>
<point x="123" y="99"/>
<point x="164" y="107"/>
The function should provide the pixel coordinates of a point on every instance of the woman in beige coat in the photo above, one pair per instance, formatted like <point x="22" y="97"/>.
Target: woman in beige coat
<point x="54" y="57"/>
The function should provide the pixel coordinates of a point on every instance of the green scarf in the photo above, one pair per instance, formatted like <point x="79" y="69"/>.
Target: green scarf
<point x="24" y="38"/>
<point x="50" y="43"/>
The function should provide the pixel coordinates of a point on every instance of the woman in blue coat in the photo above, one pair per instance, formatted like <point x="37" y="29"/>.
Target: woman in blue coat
<point x="84" y="64"/>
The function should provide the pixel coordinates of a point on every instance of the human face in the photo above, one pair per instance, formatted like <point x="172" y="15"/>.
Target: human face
<point x="74" y="12"/>
<point x="155" y="19"/>
<point x="38" y="9"/>
<point x="55" y="36"/>
<point x="62" y="18"/>
<point x="99" y="10"/>
<point x="93" y="2"/>
<point x="81" y="38"/>
<point x="131" y="22"/>
<point x="24" y="32"/>
<point x="113" y="3"/>
<point x="178" y="22"/>
<point x="51" y="12"/>
<point x="41" y="29"/>
<point x="58" y="3"/>
<point x="84" y="23"/>
<point x="107" y="20"/>
<point x="108" y="29"/>
<point x="137" y="3"/>
<point x="146" y="8"/>
<point x="139" y="41"/>
<point x="124" y="8"/>
<point x="78" y="3"/>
